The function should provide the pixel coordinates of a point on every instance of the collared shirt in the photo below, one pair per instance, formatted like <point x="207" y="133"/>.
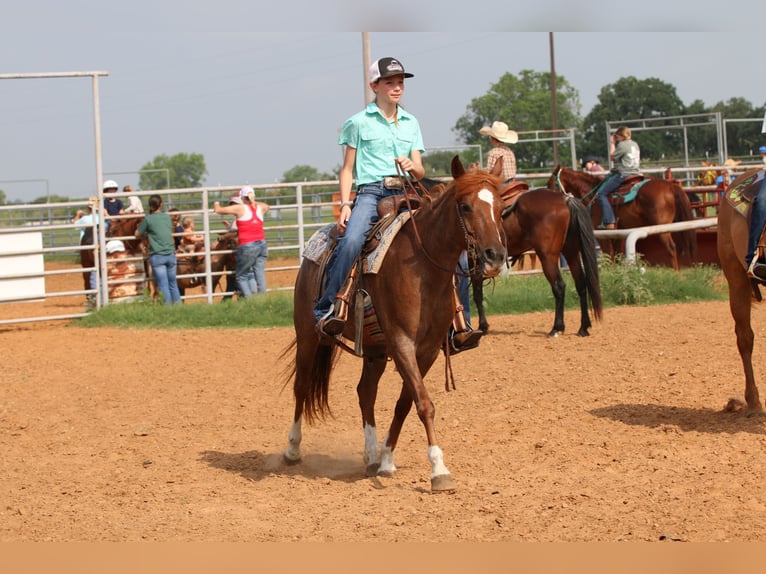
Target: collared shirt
<point x="378" y="142"/>
<point x="509" y="160"/>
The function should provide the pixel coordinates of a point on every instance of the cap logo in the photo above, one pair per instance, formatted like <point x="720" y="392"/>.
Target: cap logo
<point x="394" y="66"/>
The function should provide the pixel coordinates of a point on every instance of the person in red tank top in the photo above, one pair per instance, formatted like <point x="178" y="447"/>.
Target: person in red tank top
<point x="252" y="252"/>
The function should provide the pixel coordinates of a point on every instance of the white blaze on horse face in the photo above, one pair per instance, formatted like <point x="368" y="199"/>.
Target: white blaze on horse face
<point x="489" y="197"/>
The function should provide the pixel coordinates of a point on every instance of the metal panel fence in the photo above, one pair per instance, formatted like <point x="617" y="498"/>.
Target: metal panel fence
<point x="297" y="210"/>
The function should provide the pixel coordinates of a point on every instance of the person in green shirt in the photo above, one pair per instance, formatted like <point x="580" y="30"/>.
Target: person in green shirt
<point x="158" y="227"/>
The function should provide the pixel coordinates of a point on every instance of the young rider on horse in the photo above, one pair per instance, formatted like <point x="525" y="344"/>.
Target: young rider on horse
<point x="627" y="161"/>
<point x="379" y="140"/>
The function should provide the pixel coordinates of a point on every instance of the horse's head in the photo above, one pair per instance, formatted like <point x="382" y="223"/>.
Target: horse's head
<point x="479" y="208"/>
<point x="577" y="183"/>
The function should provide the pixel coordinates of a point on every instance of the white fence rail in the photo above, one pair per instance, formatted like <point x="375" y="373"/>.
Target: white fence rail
<point x="297" y="210"/>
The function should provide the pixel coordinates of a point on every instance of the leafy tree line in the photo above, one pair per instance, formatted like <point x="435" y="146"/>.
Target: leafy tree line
<point x="524" y="104"/>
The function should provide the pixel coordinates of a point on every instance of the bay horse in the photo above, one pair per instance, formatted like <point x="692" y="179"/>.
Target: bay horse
<point x="189" y="263"/>
<point x="413" y="300"/>
<point x="657" y="202"/>
<point x="731" y="245"/>
<point x="552" y="224"/>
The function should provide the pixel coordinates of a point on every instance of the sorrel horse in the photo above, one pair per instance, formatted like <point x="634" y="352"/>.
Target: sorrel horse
<point x="552" y="224"/>
<point x="413" y="302"/>
<point x="732" y="245"/>
<point x="657" y="201"/>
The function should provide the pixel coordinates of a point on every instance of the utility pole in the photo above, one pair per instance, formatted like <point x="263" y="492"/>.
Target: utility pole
<point x="553" y="102"/>
<point x="366" y="63"/>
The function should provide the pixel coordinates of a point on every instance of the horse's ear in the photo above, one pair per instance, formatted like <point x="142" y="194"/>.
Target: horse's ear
<point x="457" y="167"/>
<point x="497" y="169"/>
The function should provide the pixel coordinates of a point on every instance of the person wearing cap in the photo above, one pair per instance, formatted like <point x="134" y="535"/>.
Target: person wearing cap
<point x="499" y="135"/>
<point x="762" y="151"/>
<point x="158" y="227"/>
<point x="252" y="252"/>
<point x="112" y="204"/>
<point x="134" y="202"/>
<point x="380" y="140"/>
<point x="626" y="156"/>
<point x="591" y="165"/>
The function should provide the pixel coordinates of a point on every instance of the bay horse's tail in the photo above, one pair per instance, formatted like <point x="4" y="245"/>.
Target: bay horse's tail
<point x="580" y="224"/>
<point x="686" y="241"/>
<point x="311" y="378"/>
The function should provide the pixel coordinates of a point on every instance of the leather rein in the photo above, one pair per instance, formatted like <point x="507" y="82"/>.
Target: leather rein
<point x="417" y="188"/>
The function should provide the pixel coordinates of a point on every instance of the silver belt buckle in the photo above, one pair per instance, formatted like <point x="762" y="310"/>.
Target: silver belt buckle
<point x="392" y="182"/>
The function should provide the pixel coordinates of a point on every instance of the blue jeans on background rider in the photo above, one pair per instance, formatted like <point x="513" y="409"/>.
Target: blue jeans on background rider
<point x="757" y="221"/>
<point x="250" y="270"/>
<point x="609" y="185"/>
<point x="363" y="213"/>
<point x="164" y="271"/>
<point x="463" y="284"/>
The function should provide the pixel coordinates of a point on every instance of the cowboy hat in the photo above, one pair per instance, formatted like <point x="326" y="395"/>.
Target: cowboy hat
<point x="732" y="162"/>
<point x="500" y="131"/>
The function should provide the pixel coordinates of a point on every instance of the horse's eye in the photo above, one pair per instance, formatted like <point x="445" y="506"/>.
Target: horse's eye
<point x="465" y="208"/>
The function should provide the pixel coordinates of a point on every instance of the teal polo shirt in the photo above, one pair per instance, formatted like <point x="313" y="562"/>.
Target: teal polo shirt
<point x="378" y="142"/>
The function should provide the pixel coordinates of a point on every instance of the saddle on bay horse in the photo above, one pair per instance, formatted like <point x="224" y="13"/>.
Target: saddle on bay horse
<point x="627" y="191"/>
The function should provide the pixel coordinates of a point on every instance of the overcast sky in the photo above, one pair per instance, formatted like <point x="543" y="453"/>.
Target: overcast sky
<point x="206" y="78"/>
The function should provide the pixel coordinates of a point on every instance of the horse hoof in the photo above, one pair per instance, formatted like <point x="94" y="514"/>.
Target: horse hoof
<point x="553" y="334"/>
<point x="291" y="459"/>
<point x="384" y="473"/>
<point x="371" y="470"/>
<point x="583" y="333"/>
<point x="443" y="483"/>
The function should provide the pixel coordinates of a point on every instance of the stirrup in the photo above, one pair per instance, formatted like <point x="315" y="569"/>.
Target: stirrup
<point x="463" y="341"/>
<point x="329" y="325"/>
<point x="757" y="270"/>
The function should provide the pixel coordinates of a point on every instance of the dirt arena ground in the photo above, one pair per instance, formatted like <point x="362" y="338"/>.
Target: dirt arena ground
<point x="130" y="435"/>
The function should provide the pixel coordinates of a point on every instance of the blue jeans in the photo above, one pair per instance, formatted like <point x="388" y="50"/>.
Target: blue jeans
<point x="463" y="283"/>
<point x="363" y="214"/>
<point x="250" y="270"/>
<point x="164" y="271"/>
<point x="757" y="221"/>
<point x="610" y="184"/>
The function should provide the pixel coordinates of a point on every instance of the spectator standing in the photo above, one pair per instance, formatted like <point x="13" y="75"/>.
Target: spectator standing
<point x="158" y="227"/>
<point x="252" y="251"/>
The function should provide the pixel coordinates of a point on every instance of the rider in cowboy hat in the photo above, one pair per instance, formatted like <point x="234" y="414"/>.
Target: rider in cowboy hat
<point x="499" y="136"/>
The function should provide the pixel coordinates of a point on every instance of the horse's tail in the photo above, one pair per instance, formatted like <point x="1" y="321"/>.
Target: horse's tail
<point x="312" y="391"/>
<point x="581" y="224"/>
<point x="686" y="241"/>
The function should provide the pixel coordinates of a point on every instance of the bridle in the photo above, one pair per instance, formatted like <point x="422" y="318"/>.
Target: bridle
<point x="416" y="187"/>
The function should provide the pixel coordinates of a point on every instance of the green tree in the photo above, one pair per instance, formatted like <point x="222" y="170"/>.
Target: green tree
<point x="184" y="170"/>
<point x="3" y="197"/>
<point x="301" y="173"/>
<point x="630" y="99"/>
<point x="524" y="103"/>
<point x="742" y="138"/>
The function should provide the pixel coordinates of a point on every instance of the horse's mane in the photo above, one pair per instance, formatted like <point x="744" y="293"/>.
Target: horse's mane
<point x="470" y="180"/>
